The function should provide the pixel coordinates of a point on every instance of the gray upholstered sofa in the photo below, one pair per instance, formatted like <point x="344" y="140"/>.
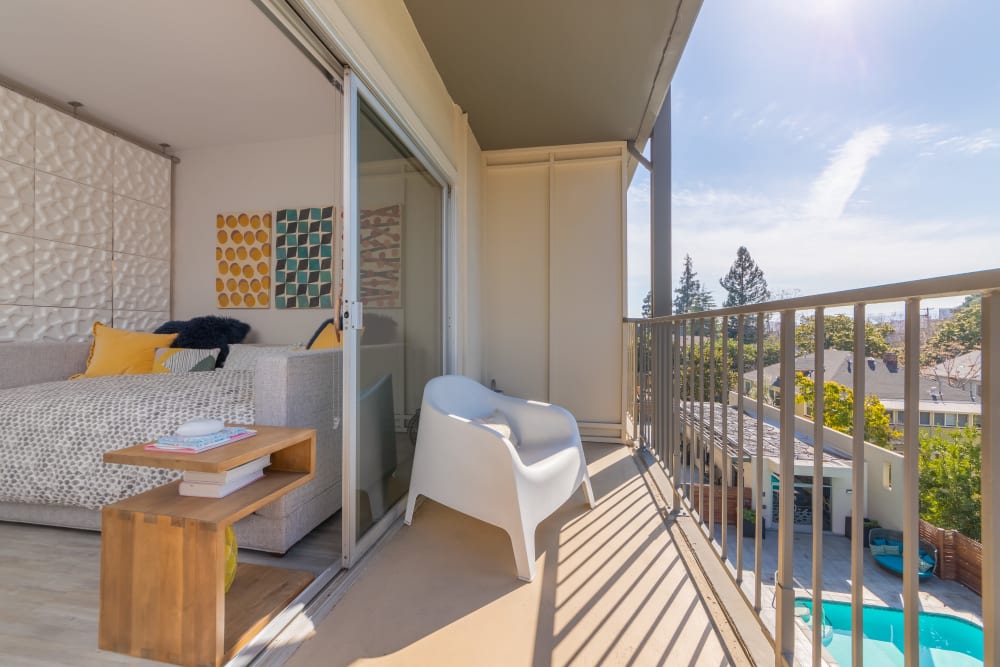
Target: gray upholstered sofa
<point x="290" y="388"/>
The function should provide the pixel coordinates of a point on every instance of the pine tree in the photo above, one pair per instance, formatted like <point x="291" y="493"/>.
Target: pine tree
<point x="689" y="292"/>
<point x="647" y="305"/>
<point x="744" y="284"/>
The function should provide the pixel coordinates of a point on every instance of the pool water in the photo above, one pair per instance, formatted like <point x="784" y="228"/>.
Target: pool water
<point x="945" y="641"/>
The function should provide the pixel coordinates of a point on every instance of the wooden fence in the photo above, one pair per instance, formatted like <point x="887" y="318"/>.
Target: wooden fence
<point x="960" y="558"/>
<point x="734" y="509"/>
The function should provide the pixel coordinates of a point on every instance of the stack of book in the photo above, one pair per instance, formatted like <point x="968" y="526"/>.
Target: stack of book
<point x="180" y="444"/>
<point x="221" y="484"/>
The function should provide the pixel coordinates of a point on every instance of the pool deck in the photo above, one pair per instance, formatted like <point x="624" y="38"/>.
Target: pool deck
<point x="881" y="587"/>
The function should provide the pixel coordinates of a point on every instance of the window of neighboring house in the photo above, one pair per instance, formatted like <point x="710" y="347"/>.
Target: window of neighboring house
<point x="939" y="419"/>
<point x="925" y="419"/>
<point x="887" y="476"/>
<point x="977" y="420"/>
<point x="962" y="421"/>
<point x="899" y="416"/>
<point x="949" y="420"/>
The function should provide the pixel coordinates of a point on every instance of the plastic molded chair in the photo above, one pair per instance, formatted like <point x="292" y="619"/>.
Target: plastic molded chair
<point x="475" y="470"/>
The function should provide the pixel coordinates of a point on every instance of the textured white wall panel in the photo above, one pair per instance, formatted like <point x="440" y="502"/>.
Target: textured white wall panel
<point x="141" y="229"/>
<point x="16" y="269"/>
<point x="17" y="197"/>
<point x="17" y="128"/>
<point x="70" y="212"/>
<point x="141" y="175"/>
<point x="68" y="147"/>
<point x="141" y="283"/>
<point x="17" y="323"/>
<point x="139" y="320"/>
<point x="71" y="276"/>
<point x="67" y="323"/>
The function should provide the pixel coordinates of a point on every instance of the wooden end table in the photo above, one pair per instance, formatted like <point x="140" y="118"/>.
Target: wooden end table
<point x="162" y="555"/>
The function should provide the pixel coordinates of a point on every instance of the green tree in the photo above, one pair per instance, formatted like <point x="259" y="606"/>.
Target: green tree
<point x="962" y="333"/>
<point x="744" y="284"/>
<point x="838" y="410"/>
<point x="647" y="305"/>
<point x="692" y="297"/>
<point x="838" y="332"/>
<point x="950" y="480"/>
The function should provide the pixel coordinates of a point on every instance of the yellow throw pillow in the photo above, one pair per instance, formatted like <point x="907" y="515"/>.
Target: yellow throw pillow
<point x="122" y="352"/>
<point x="327" y="337"/>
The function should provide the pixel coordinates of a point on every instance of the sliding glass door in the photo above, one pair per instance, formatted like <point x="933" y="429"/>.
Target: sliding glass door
<point x="393" y="313"/>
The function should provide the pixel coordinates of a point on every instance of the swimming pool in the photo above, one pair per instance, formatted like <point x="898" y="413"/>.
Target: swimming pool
<point x="945" y="641"/>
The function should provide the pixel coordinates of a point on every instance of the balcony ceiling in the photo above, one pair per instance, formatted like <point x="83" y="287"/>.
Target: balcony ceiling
<point x="533" y="73"/>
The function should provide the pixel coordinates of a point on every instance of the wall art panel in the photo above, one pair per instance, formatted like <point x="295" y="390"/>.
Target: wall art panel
<point x="304" y="249"/>
<point x="17" y="323"/>
<point x="243" y="259"/>
<point x="67" y="323"/>
<point x="68" y="147"/>
<point x="382" y="257"/>
<point x="141" y="283"/>
<point x="71" y="276"/>
<point x="139" y="320"/>
<point x="16" y="269"/>
<point x="141" y="229"/>
<point x="17" y="198"/>
<point x="141" y="174"/>
<point x="17" y="128"/>
<point x="71" y="212"/>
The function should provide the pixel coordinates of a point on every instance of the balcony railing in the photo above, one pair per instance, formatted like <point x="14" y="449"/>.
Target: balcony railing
<point x="712" y="438"/>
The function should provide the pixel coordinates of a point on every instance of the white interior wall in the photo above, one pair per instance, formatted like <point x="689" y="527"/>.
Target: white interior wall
<point x="553" y="278"/>
<point x="248" y="177"/>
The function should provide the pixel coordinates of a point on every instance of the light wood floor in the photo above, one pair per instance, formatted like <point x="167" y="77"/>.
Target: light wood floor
<point x="49" y="583"/>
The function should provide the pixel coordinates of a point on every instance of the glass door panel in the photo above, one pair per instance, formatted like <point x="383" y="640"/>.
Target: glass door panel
<point x="395" y="226"/>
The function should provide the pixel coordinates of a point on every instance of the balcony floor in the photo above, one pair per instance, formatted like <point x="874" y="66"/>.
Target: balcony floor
<point x="611" y="588"/>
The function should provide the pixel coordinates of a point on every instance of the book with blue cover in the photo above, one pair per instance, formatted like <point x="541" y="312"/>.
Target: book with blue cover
<point x="194" y="445"/>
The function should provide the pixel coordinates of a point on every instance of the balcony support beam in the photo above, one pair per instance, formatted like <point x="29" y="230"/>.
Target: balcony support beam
<point x="858" y="489"/>
<point x="819" y="440"/>
<point x="784" y="631"/>
<point x="990" y="475"/>
<point x="911" y="482"/>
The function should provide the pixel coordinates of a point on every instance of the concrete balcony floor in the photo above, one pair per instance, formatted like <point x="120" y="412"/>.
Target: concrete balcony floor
<point x="612" y="588"/>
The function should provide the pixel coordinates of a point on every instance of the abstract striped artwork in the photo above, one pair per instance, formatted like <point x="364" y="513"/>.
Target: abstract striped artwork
<point x="381" y="257"/>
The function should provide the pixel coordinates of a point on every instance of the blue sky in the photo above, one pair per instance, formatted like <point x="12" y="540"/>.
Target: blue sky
<point x="846" y="143"/>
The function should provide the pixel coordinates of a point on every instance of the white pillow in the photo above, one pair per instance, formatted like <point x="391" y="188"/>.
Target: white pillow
<point x="498" y="422"/>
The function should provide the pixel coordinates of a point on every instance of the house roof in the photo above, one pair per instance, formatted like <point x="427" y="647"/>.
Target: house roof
<point x="964" y="367"/>
<point x="880" y="379"/>
<point x="556" y="72"/>
<point x="770" y="445"/>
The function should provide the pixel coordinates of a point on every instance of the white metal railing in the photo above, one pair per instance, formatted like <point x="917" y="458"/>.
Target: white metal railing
<point x="672" y="412"/>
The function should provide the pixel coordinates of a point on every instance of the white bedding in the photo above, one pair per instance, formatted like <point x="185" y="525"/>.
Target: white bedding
<point x="53" y="435"/>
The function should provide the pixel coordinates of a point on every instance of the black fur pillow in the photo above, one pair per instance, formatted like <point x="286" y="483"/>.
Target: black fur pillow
<point x="205" y="333"/>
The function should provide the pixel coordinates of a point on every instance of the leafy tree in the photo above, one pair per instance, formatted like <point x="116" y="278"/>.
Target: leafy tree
<point x="647" y="305"/>
<point x="744" y="284"/>
<point x="962" y="333"/>
<point x="838" y="333"/>
<point x="950" y="480"/>
<point x="838" y="410"/>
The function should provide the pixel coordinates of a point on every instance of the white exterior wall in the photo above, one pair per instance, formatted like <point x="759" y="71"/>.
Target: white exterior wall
<point x="553" y="278"/>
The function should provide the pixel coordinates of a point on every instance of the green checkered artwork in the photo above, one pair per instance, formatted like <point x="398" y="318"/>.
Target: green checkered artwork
<point x="304" y="250"/>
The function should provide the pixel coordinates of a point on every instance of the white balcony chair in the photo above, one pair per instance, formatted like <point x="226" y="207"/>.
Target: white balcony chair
<point x="476" y="470"/>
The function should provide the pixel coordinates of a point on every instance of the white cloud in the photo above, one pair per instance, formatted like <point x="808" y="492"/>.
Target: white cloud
<point x="837" y="183"/>
<point x="972" y="144"/>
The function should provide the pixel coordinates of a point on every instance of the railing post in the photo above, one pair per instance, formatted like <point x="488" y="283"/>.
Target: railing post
<point x="711" y="428"/>
<point x="990" y="474"/>
<point x="675" y="409"/>
<point x="725" y="441"/>
<point x="911" y="483"/>
<point x="740" y="442"/>
<point x="700" y="448"/>
<point x="758" y="470"/>
<point x="858" y="490"/>
<point x="784" y="634"/>
<point x="819" y="440"/>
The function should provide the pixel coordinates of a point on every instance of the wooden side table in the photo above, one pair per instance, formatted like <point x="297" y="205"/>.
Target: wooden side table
<point x="162" y="555"/>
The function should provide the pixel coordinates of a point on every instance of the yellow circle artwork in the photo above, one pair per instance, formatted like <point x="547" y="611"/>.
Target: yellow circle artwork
<point x="243" y="254"/>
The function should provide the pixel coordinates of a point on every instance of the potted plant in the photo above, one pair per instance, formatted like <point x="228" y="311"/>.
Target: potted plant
<point x="750" y="523"/>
